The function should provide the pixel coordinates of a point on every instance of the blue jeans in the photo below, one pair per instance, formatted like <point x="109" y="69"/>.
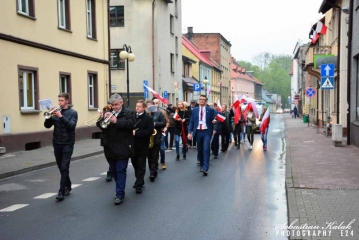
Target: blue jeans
<point x="264" y="137"/>
<point x="118" y="169"/>
<point x="177" y="140"/>
<point x="243" y="134"/>
<point x="162" y="149"/>
<point x="204" y="148"/>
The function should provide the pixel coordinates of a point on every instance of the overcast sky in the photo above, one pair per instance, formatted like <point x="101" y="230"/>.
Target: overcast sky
<point x="253" y="26"/>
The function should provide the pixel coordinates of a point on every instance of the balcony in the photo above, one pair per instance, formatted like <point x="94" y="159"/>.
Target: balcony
<point x="316" y="50"/>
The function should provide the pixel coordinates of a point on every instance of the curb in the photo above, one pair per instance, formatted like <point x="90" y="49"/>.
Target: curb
<point x="45" y="165"/>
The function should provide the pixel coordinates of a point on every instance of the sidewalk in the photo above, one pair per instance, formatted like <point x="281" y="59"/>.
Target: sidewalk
<point x="322" y="182"/>
<point x="20" y="162"/>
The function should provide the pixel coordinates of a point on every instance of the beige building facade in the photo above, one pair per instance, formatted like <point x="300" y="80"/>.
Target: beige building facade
<point x="49" y="47"/>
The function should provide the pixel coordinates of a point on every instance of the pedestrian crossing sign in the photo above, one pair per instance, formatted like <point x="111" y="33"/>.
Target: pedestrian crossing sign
<point x="327" y="83"/>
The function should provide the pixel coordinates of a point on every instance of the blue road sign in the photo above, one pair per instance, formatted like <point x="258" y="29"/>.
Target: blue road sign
<point x="197" y="87"/>
<point x="165" y="94"/>
<point x="145" y="90"/>
<point x="327" y="70"/>
<point x="310" y="92"/>
<point x="327" y="83"/>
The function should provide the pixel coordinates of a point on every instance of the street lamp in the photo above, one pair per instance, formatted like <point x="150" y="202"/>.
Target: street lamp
<point x="127" y="54"/>
<point x="205" y="82"/>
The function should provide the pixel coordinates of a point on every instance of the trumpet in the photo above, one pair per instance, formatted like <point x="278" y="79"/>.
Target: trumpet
<point x="93" y="120"/>
<point x="48" y="114"/>
<point x="106" y="121"/>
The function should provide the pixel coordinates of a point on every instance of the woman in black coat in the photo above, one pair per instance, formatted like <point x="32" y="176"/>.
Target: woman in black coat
<point x="181" y="118"/>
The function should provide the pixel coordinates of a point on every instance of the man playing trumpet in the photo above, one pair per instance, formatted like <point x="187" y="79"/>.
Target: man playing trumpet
<point x="64" y="122"/>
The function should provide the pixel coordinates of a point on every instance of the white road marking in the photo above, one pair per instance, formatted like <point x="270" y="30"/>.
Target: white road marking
<point x="45" y="195"/>
<point x="104" y="173"/>
<point x="75" y="185"/>
<point x="14" y="207"/>
<point x="90" y="179"/>
<point x="276" y="130"/>
<point x="308" y="141"/>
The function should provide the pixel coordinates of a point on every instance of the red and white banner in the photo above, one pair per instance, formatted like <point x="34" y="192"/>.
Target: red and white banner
<point x="251" y="105"/>
<point x="176" y="116"/>
<point x="321" y="28"/>
<point x="219" y="106"/>
<point x="162" y="99"/>
<point x="315" y="37"/>
<point x="265" y="122"/>
<point x="220" y="118"/>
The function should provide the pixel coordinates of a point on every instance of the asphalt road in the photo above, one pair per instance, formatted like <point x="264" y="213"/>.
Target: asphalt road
<point x="243" y="197"/>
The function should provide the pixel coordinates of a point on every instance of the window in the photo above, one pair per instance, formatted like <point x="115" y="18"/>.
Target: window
<point x="26" y="7"/>
<point x="176" y="8"/>
<point x="176" y="44"/>
<point x="92" y="90"/>
<point x="64" y="13"/>
<point x="357" y="95"/>
<point x="172" y="62"/>
<point x="116" y="61"/>
<point x="117" y="16"/>
<point x="28" y="88"/>
<point x="172" y="24"/>
<point x="65" y="83"/>
<point x="91" y="18"/>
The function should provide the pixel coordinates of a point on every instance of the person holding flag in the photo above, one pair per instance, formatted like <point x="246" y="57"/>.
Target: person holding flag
<point x="265" y="120"/>
<point x="238" y="124"/>
<point x="251" y="124"/>
<point x="181" y="118"/>
<point x="226" y="127"/>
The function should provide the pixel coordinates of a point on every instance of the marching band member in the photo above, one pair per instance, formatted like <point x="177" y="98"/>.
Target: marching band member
<point x="143" y="129"/>
<point x="64" y="121"/>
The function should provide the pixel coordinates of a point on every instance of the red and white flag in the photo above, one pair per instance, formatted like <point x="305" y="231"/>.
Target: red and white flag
<point x="176" y="116"/>
<point x="265" y="122"/>
<point x="237" y="114"/>
<point x="321" y="28"/>
<point x="219" y="106"/>
<point x="162" y="99"/>
<point x="236" y="104"/>
<point x="315" y="37"/>
<point x="220" y="118"/>
<point x="251" y="105"/>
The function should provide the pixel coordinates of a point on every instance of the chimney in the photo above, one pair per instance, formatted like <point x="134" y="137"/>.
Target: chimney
<point x="206" y="54"/>
<point x="190" y="33"/>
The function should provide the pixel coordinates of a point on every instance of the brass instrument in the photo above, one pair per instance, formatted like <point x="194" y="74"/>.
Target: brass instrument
<point x="152" y="139"/>
<point x="49" y="114"/>
<point x="106" y="121"/>
<point x="95" y="119"/>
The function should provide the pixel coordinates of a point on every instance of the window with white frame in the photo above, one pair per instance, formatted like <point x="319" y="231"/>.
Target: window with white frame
<point x="27" y="89"/>
<point x="26" y="7"/>
<point x="92" y="90"/>
<point x="65" y="83"/>
<point x="91" y="18"/>
<point x="63" y="7"/>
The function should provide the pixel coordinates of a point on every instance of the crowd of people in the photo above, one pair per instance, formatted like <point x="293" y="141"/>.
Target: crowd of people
<point x="143" y="136"/>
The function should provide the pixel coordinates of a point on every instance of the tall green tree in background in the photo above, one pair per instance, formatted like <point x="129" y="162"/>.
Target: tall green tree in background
<point x="272" y="71"/>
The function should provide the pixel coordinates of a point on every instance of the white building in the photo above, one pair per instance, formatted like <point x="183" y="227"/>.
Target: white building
<point x="152" y="28"/>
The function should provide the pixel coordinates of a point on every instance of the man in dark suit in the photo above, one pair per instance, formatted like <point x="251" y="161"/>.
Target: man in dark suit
<point x="118" y="142"/>
<point x="201" y="127"/>
<point x="142" y="132"/>
<point x="226" y="128"/>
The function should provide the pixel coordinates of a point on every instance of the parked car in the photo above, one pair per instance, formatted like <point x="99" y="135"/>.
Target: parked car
<point x="279" y="111"/>
<point x="286" y="110"/>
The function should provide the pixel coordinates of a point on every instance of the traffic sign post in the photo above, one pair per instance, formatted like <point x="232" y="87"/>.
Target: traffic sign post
<point x="197" y="87"/>
<point x="327" y="76"/>
<point x="145" y="90"/>
<point x="165" y="94"/>
<point x="310" y="92"/>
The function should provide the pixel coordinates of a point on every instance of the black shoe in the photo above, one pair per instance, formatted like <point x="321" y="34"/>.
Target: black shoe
<point x="67" y="191"/>
<point x="201" y="170"/>
<point x="215" y="157"/>
<point x="205" y="174"/>
<point x="138" y="190"/>
<point x="177" y="157"/>
<point x="60" y="196"/>
<point x="198" y="163"/>
<point x="238" y="147"/>
<point x="152" y="178"/>
<point x="184" y="157"/>
<point x="118" y="201"/>
<point x="109" y="177"/>
<point x="223" y="150"/>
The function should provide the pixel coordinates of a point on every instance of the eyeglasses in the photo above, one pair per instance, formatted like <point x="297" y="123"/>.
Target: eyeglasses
<point x="203" y="99"/>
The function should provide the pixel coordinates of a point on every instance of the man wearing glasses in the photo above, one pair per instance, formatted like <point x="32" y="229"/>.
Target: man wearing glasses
<point x="201" y="127"/>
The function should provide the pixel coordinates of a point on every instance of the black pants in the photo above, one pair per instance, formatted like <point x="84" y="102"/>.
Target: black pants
<point x="237" y="135"/>
<point x="63" y="155"/>
<point x="250" y="134"/>
<point x="153" y="157"/>
<point x="225" y="141"/>
<point x="170" y="131"/>
<point x="139" y="165"/>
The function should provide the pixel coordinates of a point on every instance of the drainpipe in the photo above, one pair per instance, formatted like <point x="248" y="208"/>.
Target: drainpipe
<point x="153" y="44"/>
<point x="339" y="38"/>
<point x="109" y="50"/>
<point x="350" y="35"/>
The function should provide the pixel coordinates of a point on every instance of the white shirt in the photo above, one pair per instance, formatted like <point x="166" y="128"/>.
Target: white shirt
<point x="118" y="112"/>
<point x="203" y="122"/>
<point x="249" y="116"/>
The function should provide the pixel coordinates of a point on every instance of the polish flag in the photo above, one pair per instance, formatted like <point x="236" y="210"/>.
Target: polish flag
<point x="219" y="106"/>
<point x="176" y="116"/>
<point x="242" y="98"/>
<point x="321" y="28"/>
<point x="236" y="104"/>
<point x="220" y="118"/>
<point x="237" y="114"/>
<point x="251" y="105"/>
<point x="315" y="37"/>
<point x="265" y="122"/>
<point x="162" y="99"/>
